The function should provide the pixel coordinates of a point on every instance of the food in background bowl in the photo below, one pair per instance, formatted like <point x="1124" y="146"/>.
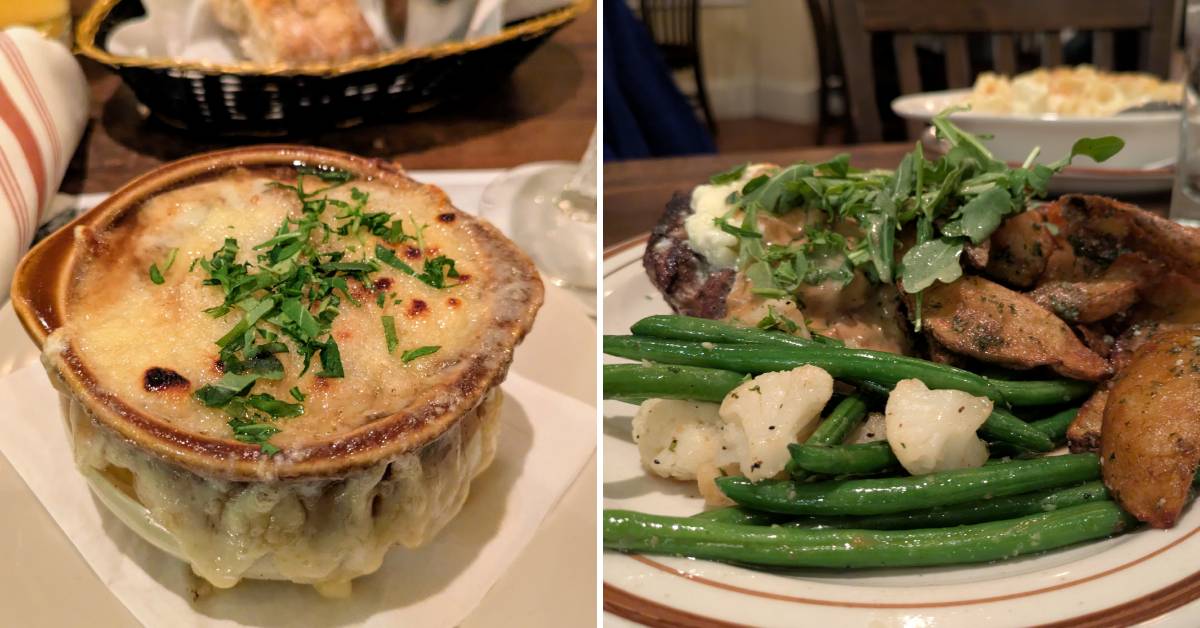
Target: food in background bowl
<point x="1151" y="137"/>
<point x="290" y="357"/>
<point x="1069" y="91"/>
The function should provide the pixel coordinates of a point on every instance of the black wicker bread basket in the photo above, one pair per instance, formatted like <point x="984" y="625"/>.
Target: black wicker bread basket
<point x="260" y="99"/>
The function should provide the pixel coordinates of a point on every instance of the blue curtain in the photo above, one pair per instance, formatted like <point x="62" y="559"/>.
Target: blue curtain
<point x="645" y="114"/>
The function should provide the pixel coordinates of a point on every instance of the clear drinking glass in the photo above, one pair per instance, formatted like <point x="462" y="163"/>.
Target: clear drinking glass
<point x="1185" y="197"/>
<point x="549" y="210"/>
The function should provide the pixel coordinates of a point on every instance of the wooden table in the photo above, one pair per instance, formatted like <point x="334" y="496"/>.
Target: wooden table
<point x="546" y="111"/>
<point x="635" y="192"/>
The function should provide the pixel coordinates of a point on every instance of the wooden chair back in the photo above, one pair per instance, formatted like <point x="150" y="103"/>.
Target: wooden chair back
<point x="954" y="21"/>
<point x="671" y="22"/>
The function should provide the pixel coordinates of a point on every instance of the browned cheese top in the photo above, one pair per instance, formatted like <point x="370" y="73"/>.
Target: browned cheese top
<point x="152" y="346"/>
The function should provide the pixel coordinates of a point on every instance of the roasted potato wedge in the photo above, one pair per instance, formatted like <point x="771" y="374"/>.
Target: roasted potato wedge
<point x="1150" y="440"/>
<point x="1019" y="249"/>
<point x="984" y="320"/>
<point x="1097" y="298"/>
<point x="1084" y="432"/>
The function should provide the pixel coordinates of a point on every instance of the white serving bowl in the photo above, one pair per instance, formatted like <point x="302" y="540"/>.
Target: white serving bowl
<point x="1151" y="139"/>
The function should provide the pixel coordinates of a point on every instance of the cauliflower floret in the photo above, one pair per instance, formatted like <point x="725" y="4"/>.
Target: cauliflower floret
<point x="769" y="412"/>
<point x="872" y="430"/>
<point x="675" y="437"/>
<point x="934" y="430"/>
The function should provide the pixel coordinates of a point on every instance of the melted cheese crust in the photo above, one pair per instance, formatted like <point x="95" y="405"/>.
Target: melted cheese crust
<point x="122" y="324"/>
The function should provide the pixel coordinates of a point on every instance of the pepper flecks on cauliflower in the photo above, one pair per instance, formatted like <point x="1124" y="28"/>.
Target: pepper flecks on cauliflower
<point x="872" y="430"/>
<point x="934" y="430"/>
<point x="766" y="414"/>
<point x="674" y="437"/>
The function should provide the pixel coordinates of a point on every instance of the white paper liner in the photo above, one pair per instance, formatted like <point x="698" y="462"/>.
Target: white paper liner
<point x="187" y="30"/>
<point x="539" y="456"/>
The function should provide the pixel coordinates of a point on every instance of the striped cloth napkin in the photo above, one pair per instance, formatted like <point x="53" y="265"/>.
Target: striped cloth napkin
<point x="43" y="109"/>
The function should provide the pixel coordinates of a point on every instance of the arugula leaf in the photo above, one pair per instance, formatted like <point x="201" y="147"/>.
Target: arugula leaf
<point x="735" y="230"/>
<point x="982" y="214"/>
<point x="879" y="228"/>
<point x="1099" y="149"/>
<point x="155" y="275"/>
<point x="296" y="393"/>
<point x="728" y="176"/>
<point x="753" y="184"/>
<point x="412" y="354"/>
<point x="935" y="260"/>
<point x="838" y="167"/>
<point x="777" y="194"/>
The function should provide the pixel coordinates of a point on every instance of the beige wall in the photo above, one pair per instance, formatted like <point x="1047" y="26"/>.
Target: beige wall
<point x="760" y="59"/>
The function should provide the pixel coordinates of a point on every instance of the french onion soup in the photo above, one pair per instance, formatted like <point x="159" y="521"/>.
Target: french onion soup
<point x="290" y="357"/>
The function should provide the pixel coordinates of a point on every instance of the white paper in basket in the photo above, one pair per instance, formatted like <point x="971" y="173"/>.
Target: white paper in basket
<point x="188" y="30"/>
<point x="437" y="585"/>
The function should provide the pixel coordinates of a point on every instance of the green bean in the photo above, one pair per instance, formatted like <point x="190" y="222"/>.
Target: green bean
<point x="862" y="459"/>
<point x="826" y="340"/>
<point x="846" y="416"/>
<point x="788" y="547"/>
<point x="1003" y="426"/>
<point x="1012" y="392"/>
<point x="668" y="382"/>
<point x="968" y="513"/>
<point x="707" y="330"/>
<point x="1055" y="426"/>
<point x="733" y="514"/>
<point x="841" y="363"/>
<point x="879" y="496"/>
<point x="1041" y="392"/>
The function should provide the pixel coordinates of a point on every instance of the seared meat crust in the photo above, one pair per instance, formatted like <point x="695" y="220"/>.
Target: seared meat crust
<point x="687" y="282"/>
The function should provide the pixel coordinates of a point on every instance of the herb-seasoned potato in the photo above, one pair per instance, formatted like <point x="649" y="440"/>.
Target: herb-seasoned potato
<point x="986" y="321"/>
<point x="1150" y="442"/>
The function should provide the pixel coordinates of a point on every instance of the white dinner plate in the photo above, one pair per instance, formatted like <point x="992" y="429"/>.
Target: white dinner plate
<point x="1146" y="576"/>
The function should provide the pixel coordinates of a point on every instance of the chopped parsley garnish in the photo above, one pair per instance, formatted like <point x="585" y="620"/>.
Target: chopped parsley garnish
<point x="434" y="274"/>
<point x="409" y="356"/>
<point x="155" y="274"/>
<point x="775" y="320"/>
<point x="388" y="256"/>
<point x="389" y="333"/>
<point x="255" y="433"/>
<point x="294" y="290"/>
<point x="437" y="270"/>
